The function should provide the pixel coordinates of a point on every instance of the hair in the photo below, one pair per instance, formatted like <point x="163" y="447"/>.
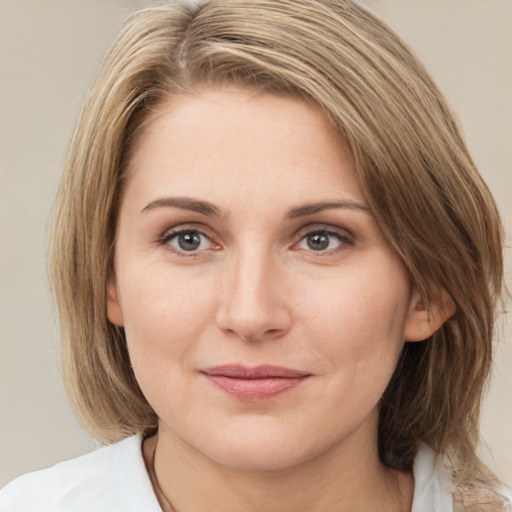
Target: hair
<point x="411" y="163"/>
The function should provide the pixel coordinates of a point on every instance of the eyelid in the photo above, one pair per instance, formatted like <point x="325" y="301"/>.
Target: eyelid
<point x="169" y="233"/>
<point x="345" y="236"/>
<point x="329" y="228"/>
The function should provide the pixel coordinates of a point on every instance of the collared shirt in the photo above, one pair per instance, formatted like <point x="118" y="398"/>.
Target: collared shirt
<point x="114" y="478"/>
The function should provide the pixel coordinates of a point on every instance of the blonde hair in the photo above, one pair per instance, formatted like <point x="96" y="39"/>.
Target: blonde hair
<point x="412" y="166"/>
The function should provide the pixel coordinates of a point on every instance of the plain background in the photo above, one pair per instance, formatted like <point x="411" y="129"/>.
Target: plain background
<point x="49" y="52"/>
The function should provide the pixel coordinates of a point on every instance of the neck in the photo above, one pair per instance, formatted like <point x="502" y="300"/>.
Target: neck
<point x="343" y="480"/>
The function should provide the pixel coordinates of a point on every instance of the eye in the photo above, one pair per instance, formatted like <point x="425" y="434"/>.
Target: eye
<point x="187" y="240"/>
<point x="324" y="240"/>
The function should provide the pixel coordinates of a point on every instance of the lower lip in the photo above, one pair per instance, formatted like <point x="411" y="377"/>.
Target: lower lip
<point x="256" y="389"/>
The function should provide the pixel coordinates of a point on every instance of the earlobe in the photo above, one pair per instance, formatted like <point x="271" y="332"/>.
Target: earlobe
<point x="114" y="312"/>
<point x="423" y="322"/>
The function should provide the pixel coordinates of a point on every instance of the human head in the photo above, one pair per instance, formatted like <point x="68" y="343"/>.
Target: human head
<point x="412" y="167"/>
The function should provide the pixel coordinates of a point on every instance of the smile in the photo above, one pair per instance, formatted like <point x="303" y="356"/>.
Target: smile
<point x="254" y="384"/>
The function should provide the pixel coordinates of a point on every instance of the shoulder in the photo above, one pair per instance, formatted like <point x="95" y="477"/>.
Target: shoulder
<point x="482" y="498"/>
<point x="111" y="478"/>
<point x="435" y="489"/>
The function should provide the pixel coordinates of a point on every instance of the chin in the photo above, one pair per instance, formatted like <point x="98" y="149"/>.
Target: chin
<point x="263" y="447"/>
<point x="257" y="456"/>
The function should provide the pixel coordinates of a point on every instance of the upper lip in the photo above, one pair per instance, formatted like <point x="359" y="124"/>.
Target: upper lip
<point x="255" y="372"/>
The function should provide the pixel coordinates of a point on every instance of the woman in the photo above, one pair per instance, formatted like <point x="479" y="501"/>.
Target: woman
<point x="277" y="271"/>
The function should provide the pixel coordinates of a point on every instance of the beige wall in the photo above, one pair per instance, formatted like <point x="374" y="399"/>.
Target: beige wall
<point x="49" y="51"/>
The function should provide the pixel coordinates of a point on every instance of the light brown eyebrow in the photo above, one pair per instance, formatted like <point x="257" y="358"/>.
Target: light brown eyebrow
<point x="210" y="210"/>
<point x="185" y="203"/>
<point x="310" y="209"/>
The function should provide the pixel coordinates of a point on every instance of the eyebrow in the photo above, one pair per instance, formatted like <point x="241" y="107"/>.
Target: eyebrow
<point x="310" y="209"/>
<point x="210" y="210"/>
<point x="185" y="203"/>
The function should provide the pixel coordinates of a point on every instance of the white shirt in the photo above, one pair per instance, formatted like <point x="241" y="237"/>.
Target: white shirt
<point x="114" y="478"/>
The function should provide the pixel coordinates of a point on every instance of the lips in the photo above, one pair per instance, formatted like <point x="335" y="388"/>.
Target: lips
<point x="256" y="383"/>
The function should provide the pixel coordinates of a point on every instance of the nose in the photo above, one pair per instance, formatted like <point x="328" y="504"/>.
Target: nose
<point x="253" y="303"/>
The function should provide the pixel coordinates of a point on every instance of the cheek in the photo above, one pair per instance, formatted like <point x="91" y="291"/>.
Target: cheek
<point x="165" y="315"/>
<point x="160" y="298"/>
<point x="359" y="317"/>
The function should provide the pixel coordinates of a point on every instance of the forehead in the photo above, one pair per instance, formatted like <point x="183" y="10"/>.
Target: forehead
<point x="226" y="140"/>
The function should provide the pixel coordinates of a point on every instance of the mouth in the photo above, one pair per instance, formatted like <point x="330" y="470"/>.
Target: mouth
<point x="256" y="383"/>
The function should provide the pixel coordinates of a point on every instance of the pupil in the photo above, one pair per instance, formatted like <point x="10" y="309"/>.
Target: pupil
<point x="189" y="241"/>
<point x="318" y="241"/>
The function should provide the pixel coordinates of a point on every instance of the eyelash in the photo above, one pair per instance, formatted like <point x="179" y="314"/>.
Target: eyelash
<point x="345" y="240"/>
<point x="169" y="235"/>
<point x="343" y="237"/>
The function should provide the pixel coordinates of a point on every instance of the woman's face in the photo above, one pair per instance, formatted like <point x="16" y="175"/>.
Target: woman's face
<point x="264" y="312"/>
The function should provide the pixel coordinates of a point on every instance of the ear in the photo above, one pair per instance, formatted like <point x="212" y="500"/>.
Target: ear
<point x="114" y="312"/>
<point x="421" y="322"/>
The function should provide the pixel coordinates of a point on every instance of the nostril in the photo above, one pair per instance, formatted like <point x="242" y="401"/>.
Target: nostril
<point x="254" y="336"/>
<point x="270" y="334"/>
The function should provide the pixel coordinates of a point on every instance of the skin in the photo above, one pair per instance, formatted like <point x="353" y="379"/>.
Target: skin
<point x="257" y="290"/>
